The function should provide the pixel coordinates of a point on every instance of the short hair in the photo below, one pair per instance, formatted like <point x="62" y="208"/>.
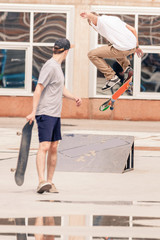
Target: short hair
<point x="58" y="50"/>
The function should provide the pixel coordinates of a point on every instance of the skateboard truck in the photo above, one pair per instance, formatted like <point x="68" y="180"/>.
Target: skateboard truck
<point x="130" y="87"/>
<point x="13" y="169"/>
<point x="112" y="104"/>
<point x="19" y="133"/>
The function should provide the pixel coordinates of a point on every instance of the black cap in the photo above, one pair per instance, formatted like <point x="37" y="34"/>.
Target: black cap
<point x="62" y="43"/>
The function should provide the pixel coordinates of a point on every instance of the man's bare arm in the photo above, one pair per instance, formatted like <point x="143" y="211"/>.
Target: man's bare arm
<point x="36" y="97"/>
<point x="90" y="16"/>
<point x="69" y="95"/>
<point x="133" y="30"/>
<point x="138" y="51"/>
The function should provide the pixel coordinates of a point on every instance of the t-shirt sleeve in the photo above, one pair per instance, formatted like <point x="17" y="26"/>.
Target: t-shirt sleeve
<point x="46" y="75"/>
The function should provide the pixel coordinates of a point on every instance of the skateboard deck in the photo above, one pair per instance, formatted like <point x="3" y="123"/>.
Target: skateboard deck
<point x="110" y="102"/>
<point x="23" y="153"/>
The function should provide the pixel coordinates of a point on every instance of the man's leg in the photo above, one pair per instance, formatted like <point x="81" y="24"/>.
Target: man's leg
<point x="97" y="56"/>
<point x="125" y="63"/>
<point x="127" y="69"/>
<point x="51" y="164"/>
<point x="122" y="57"/>
<point x="40" y="162"/>
<point x="52" y="160"/>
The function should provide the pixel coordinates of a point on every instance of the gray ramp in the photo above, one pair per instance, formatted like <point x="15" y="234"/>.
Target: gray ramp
<point x="95" y="153"/>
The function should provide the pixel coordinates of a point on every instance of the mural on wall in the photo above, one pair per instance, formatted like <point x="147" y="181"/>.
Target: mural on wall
<point x="14" y="26"/>
<point x="148" y="30"/>
<point x="48" y="27"/>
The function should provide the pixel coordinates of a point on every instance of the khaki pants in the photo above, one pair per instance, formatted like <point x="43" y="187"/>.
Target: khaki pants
<point x="97" y="58"/>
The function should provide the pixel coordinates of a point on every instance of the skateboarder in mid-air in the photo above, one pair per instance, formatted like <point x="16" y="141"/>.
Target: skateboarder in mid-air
<point x="47" y="104"/>
<point x="123" y="41"/>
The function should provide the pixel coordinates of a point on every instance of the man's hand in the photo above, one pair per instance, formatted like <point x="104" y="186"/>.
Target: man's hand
<point x="84" y="15"/>
<point x="91" y="17"/>
<point x="139" y="52"/>
<point x="78" y="101"/>
<point x="31" y="117"/>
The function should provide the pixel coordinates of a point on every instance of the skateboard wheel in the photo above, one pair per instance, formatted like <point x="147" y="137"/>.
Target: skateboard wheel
<point x="111" y="108"/>
<point x="13" y="169"/>
<point x="19" y="133"/>
<point x="112" y="100"/>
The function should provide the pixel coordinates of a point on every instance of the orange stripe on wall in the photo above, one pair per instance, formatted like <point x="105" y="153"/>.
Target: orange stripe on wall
<point x="135" y="110"/>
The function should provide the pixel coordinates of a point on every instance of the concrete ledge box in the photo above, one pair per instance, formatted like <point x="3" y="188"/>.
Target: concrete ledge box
<point x="96" y="153"/>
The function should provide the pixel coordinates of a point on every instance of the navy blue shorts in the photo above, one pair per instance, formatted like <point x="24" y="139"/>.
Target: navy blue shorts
<point x="49" y="128"/>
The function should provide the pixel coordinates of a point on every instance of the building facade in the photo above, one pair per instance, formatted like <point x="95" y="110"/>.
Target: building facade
<point x="28" y="30"/>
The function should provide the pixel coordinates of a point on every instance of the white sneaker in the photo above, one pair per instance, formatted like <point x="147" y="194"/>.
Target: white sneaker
<point x="111" y="83"/>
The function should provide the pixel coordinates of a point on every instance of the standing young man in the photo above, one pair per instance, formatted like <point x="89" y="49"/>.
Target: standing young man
<point x="47" y="105"/>
<point x="123" y="41"/>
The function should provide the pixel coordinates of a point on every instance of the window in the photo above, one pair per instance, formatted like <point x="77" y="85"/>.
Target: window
<point x="146" y="84"/>
<point x="12" y="68"/>
<point x="150" y="73"/>
<point x="27" y="36"/>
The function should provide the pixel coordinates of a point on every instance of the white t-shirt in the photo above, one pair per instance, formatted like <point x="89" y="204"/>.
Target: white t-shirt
<point x="115" y="31"/>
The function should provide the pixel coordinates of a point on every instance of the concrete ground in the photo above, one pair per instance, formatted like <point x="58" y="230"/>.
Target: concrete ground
<point x="88" y="205"/>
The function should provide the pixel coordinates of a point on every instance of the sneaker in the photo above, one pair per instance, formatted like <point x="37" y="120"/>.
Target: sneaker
<point x="43" y="187"/>
<point x="111" y="83"/>
<point x="53" y="189"/>
<point x="128" y="73"/>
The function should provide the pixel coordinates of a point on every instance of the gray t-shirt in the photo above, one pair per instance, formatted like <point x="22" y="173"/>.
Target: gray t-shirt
<point x="52" y="78"/>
